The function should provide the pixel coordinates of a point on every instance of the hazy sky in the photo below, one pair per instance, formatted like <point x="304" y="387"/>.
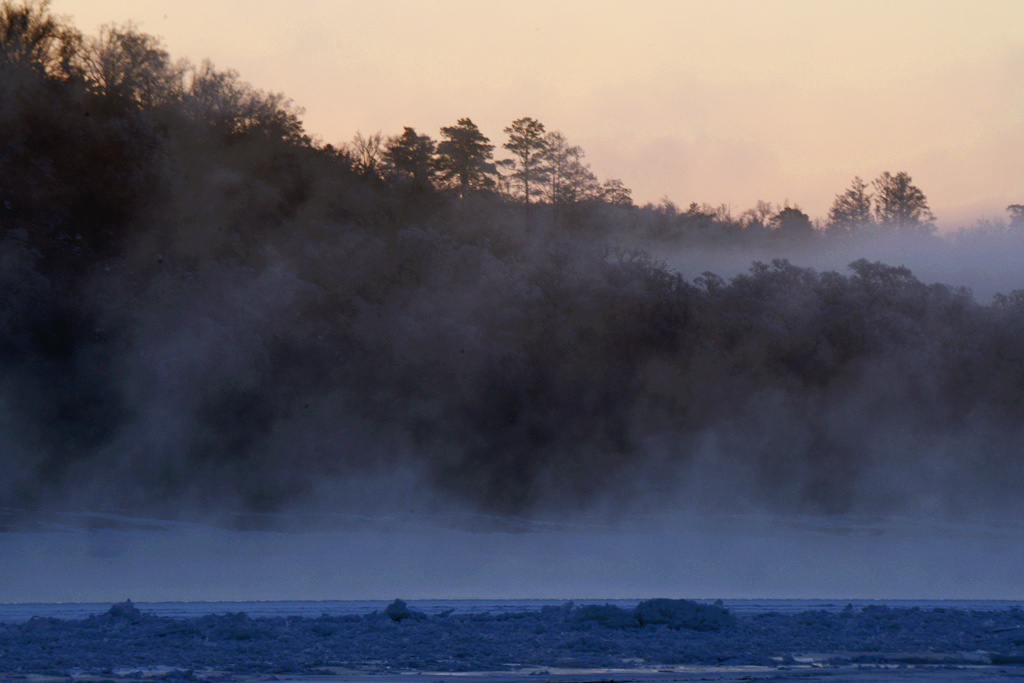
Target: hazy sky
<point x="720" y="102"/>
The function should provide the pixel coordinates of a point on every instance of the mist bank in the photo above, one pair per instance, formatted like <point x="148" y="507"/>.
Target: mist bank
<point x="984" y="259"/>
<point x="468" y="362"/>
<point x="204" y="311"/>
<point x="739" y="557"/>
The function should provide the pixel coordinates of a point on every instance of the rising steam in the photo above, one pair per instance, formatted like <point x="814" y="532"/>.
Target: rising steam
<point x="204" y="311"/>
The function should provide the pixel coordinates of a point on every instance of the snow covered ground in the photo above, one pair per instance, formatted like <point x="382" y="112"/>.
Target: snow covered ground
<point x="664" y="640"/>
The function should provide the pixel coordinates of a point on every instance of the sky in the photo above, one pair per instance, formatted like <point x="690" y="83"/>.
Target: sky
<point x="725" y="102"/>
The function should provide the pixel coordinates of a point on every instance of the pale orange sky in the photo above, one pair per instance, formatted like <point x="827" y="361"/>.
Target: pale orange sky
<point x="720" y="102"/>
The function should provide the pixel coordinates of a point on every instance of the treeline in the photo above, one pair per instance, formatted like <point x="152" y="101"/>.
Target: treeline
<point x="895" y="208"/>
<point x="101" y="133"/>
<point x="544" y="167"/>
<point x="203" y="308"/>
<point x="98" y="128"/>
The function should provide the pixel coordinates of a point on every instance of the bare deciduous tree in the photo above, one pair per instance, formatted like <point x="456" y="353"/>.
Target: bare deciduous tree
<point x="31" y="37"/>
<point x="132" y="66"/>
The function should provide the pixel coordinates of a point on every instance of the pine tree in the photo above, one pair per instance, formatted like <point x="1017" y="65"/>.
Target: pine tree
<point x="851" y="210"/>
<point x="411" y="156"/>
<point x="464" y="157"/>
<point x="901" y="205"/>
<point x="526" y="140"/>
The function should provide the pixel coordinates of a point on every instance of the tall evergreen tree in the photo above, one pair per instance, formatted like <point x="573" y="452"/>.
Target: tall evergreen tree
<point x="569" y="180"/>
<point x="527" y="143"/>
<point x="464" y="157"/>
<point x="411" y="156"/>
<point x="852" y="209"/>
<point x="901" y="205"/>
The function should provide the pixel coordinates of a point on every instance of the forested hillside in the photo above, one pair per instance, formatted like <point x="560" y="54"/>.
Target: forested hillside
<point x="202" y="308"/>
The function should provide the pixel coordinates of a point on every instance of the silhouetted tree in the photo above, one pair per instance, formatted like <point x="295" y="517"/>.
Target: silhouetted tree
<point x="756" y="221"/>
<point x="569" y="180"/>
<point x="411" y="156"/>
<point x="235" y="109"/>
<point x="31" y="37"/>
<point x="850" y="210"/>
<point x="900" y="204"/>
<point x="704" y="222"/>
<point x="527" y="142"/>
<point x="614" y="192"/>
<point x="72" y="172"/>
<point x="556" y="157"/>
<point x="579" y="182"/>
<point x="763" y="211"/>
<point x="1016" y="212"/>
<point x="367" y="154"/>
<point x="127" y="65"/>
<point x="464" y="157"/>
<point x="793" y="225"/>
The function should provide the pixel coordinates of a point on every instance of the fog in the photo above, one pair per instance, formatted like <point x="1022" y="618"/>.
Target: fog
<point x="986" y="261"/>
<point x="756" y="558"/>
<point x="212" y="321"/>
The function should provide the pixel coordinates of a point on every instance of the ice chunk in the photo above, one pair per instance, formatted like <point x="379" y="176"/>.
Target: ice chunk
<point x="125" y="610"/>
<point x="683" y="614"/>
<point x="398" y="611"/>
<point x="606" y="615"/>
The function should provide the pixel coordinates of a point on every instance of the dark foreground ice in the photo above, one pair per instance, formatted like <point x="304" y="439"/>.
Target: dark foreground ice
<point x="656" y="641"/>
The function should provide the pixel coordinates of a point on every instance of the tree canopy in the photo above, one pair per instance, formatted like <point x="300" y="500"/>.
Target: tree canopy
<point x="528" y="144"/>
<point x="464" y="156"/>
<point x="901" y="204"/>
<point x="851" y="210"/>
<point x="32" y="37"/>
<point x="411" y="155"/>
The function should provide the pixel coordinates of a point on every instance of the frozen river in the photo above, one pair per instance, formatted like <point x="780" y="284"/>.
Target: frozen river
<point x="902" y="601"/>
<point x="503" y="641"/>
<point x="13" y="613"/>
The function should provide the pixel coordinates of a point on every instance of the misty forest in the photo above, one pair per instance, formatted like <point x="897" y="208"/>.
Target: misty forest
<point x="204" y="309"/>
